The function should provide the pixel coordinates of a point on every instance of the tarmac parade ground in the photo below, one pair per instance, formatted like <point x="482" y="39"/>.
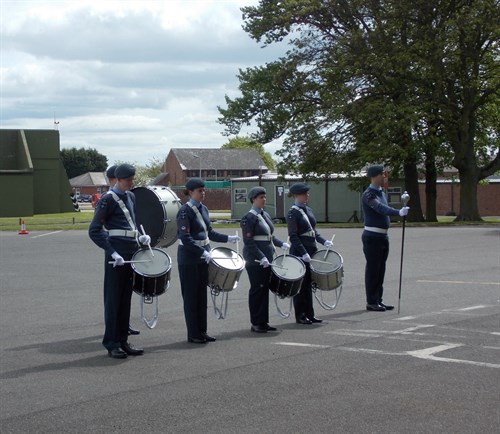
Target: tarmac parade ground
<point x="435" y="367"/>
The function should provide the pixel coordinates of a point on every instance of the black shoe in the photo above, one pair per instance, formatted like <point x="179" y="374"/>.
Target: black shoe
<point x="131" y="351"/>
<point x="197" y="340"/>
<point x="117" y="353"/>
<point x="375" y="307"/>
<point x="304" y="320"/>
<point x="270" y="328"/>
<point x="132" y="331"/>
<point x="259" y="328"/>
<point x="316" y="320"/>
<point x="208" y="338"/>
<point x="387" y="306"/>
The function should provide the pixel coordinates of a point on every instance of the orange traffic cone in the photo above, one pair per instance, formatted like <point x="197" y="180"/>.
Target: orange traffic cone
<point x="23" y="230"/>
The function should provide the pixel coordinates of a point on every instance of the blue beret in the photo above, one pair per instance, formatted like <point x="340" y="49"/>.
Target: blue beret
<point x="195" y="183"/>
<point x="299" y="188"/>
<point x="110" y="173"/>
<point x="124" y="171"/>
<point x="374" y="170"/>
<point x="254" y="192"/>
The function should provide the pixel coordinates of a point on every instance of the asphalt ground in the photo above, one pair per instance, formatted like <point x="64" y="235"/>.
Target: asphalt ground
<point x="435" y="367"/>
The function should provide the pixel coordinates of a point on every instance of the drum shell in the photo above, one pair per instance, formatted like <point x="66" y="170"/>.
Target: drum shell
<point x="151" y="284"/>
<point x="327" y="278"/>
<point x="156" y="211"/>
<point x="225" y="278"/>
<point x="282" y="285"/>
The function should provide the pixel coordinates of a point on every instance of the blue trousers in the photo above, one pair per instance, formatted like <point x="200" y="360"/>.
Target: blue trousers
<point x="376" y="250"/>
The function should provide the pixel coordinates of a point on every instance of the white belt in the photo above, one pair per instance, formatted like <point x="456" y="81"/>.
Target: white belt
<point x="200" y="243"/>
<point x="375" y="229"/>
<point x="262" y="237"/>
<point x="308" y="234"/>
<point x="122" y="233"/>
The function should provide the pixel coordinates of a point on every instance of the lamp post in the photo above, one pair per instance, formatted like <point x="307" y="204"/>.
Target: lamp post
<point x="199" y="159"/>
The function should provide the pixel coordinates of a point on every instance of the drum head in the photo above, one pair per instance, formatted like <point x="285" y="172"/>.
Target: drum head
<point x="288" y="267"/>
<point x="156" y="265"/>
<point x="331" y="263"/>
<point x="227" y="259"/>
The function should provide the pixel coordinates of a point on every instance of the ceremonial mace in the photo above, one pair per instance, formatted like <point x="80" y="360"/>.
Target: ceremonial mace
<point x="405" y="197"/>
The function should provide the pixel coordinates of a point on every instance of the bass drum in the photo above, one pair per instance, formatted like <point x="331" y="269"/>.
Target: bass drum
<point x="156" y="211"/>
<point x="287" y="274"/>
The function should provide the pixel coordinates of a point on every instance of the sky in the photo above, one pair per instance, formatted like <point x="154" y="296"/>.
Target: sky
<point x="132" y="79"/>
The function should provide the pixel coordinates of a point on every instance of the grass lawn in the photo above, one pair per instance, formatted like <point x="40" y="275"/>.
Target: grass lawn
<point x="81" y="220"/>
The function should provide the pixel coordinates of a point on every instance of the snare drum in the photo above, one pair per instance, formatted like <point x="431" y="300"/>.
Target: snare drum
<point x="156" y="211"/>
<point x="225" y="268"/>
<point x="287" y="274"/>
<point x="151" y="278"/>
<point x="329" y="273"/>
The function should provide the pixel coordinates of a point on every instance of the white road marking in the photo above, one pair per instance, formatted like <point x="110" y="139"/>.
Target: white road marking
<point x="460" y="282"/>
<point x="300" y="344"/>
<point x="48" y="233"/>
<point x="405" y="318"/>
<point x="480" y="306"/>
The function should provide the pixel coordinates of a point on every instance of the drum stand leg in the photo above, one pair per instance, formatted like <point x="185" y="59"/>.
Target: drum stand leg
<point x="214" y="292"/>
<point x="323" y="303"/>
<point x="149" y="300"/>
<point x="284" y="315"/>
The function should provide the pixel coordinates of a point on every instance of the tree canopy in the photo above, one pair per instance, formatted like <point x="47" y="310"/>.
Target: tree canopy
<point x="412" y="84"/>
<point x="249" y="143"/>
<point x="79" y="161"/>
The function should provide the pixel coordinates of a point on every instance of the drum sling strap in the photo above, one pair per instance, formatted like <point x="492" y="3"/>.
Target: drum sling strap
<point x="200" y="219"/>
<point x="310" y="232"/>
<point x="126" y="212"/>
<point x="262" y="220"/>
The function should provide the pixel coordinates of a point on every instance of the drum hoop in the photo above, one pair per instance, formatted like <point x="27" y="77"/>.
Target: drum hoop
<point x="162" y="273"/>
<point x="275" y="271"/>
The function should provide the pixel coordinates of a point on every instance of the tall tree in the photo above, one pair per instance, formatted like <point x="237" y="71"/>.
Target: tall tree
<point x="79" y="161"/>
<point x="249" y="143"/>
<point x="360" y="82"/>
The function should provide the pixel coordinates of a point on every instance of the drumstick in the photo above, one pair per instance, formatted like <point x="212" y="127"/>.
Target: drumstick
<point x="237" y="244"/>
<point x="149" y="245"/>
<point x="133" y="261"/>
<point x="272" y="265"/>
<point x="328" y="248"/>
<point x="323" y="262"/>
<point x="288" y="242"/>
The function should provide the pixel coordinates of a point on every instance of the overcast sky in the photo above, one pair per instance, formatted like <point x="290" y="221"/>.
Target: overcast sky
<point x="132" y="79"/>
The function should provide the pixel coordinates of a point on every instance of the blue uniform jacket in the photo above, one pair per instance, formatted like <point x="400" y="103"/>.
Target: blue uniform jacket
<point x="376" y="211"/>
<point x="190" y="229"/>
<point x="252" y="249"/>
<point x="297" y="225"/>
<point x="108" y="215"/>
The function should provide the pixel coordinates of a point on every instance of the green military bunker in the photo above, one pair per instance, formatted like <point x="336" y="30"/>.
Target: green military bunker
<point x="32" y="176"/>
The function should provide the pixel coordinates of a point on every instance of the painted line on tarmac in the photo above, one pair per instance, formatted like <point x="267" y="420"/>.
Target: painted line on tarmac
<point x="48" y="233"/>
<point x="426" y="354"/>
<point x="460" y="282"/>
<point x="300" y="344"/>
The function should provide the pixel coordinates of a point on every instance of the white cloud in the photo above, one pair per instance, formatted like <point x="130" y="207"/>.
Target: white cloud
<point x="129" y="78"/>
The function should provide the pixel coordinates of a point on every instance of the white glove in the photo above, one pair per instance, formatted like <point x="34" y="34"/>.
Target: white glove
<point x="145" y="239"/>
<point x="285" y="246"/>
<point x="328" y="243"/>
<point x="264" y="262"/>
<point x="306" y="258"/>
<point x="118" y="260"/>
<point x="207" y="256"/>
<point x="404" y="211"/>
<point x="233" y="239"/>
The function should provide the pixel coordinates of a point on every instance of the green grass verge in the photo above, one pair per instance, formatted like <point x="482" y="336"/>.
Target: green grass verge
<point x="81" y="220"/>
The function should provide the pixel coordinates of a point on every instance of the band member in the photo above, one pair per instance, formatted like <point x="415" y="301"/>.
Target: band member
<point x="377" y="214"/>
<point x="110" y="173"/>
<point x="303" y="237"/>
<point x="113" y="229"/>
<point x="194" y="231"/>
<point x="258" y="252"/>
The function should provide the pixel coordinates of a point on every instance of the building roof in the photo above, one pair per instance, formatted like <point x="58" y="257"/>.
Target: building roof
<point x="89" y="179"/>
<point x="220" y="159"/>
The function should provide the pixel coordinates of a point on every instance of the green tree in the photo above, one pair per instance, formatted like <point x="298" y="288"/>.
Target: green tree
<point x="384" y="81"/>
<point x="145" y="173"/>
<point x="249" y="143"/>
<point x="79" y="161"/>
